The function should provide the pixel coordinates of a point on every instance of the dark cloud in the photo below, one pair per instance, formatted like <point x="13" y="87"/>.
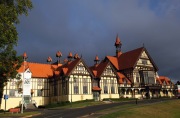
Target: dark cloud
<point x="89" y="28"/>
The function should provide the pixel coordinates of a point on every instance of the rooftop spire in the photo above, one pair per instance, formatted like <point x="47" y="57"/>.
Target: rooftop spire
<point x="76" y="56"/>
<point x="70" y="56"/>
<point x="24" y="56"/>
<point x="118" y="45"/>
<point x="49" y="59"/>
<point x="58" y="55"/>
<point x="118" y="41"/>
<point x="96" y="60"/>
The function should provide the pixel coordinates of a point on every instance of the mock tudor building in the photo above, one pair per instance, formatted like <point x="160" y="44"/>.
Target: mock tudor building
<point x="132" y="74"/>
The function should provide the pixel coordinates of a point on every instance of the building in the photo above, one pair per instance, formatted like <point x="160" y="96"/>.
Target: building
<point x="132" y="74"/>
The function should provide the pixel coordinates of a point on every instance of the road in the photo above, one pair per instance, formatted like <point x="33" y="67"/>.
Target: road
<point x="78" y="112"/>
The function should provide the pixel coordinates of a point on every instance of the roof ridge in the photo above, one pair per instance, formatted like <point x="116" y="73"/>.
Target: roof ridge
<point x="133" y="50"/>
<point x="39" y="63"/>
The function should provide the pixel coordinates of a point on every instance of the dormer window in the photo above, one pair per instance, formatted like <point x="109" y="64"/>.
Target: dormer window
<point x="164" y="83"/>
<point x="144" y="62"/>
<point x="125" y="82"/>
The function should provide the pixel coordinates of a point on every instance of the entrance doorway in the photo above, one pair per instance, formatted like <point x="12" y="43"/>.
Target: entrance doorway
<point x="27" y="99"/>
<point x="96" y="96"/>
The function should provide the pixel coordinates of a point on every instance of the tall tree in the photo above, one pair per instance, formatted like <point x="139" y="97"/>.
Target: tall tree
<point x="10" y="10"/>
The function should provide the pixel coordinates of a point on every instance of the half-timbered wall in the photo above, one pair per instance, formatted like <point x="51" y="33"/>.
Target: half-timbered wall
<point x="108" y="84"/>
<point x="144" y="71"/>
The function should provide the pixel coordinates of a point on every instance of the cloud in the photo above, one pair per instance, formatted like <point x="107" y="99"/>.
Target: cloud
<point x="90" y="27"/>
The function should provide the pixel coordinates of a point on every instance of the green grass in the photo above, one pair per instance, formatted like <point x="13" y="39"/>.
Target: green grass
<point x="8" y="114"/>
<point x="73" y="105"/>
<point x="168" y="109"/>
<point x="84" y="103"/>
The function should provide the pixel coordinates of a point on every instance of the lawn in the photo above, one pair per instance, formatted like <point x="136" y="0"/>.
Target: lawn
<point x="168" y="109"/>
<point x="25" y="114"/>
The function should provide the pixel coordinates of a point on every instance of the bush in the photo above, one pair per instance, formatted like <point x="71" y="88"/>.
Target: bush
<point x="1" y="110"/>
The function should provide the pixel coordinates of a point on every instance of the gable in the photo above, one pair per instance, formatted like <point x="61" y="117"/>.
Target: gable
<point x="28" y="71"/>
<point x="144" y="60"/>
<point x="108" y="71"/>
<point x="129" y="59"/>
<point x="80" y="69"/>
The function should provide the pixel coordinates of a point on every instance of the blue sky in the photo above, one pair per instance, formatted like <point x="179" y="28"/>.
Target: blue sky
<point x="89" y="28"/>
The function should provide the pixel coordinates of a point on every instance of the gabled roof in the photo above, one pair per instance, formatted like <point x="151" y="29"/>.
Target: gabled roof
<point x="68" y="68"/>
<point x="128" y="59"/>
<point x="98" y="69"/>
<point x="114" y="61"/>
<point x="163" y="79"/>
<point x="38" y="70"/>
<point x="122" y="78"/>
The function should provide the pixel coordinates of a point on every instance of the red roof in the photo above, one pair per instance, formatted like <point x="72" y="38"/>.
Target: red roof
<point x="70" y="65"/>
<point x="38" y="70"/>
<point x="122" y="78"/>
<point x="163" y="79"/>
<point x="96" y="88"/>
<point x="114" y="61"/>
<point x="98" y="69"/>
<point x="129" y="59"/>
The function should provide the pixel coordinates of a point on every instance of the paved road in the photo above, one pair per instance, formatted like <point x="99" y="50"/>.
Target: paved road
<point x="74" y="113"/>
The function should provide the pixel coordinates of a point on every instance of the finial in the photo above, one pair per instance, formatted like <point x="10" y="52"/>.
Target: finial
<point x="70" y="56"/>
<point x="96" y="60"/>
<point x="49" y="59"/>
<point x="76" y="56"/>
<point x="58" y="54"/>
<point x="25" y="56"/>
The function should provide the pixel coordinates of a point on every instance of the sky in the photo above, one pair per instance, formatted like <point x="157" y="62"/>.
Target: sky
<point x="90" y="27"/>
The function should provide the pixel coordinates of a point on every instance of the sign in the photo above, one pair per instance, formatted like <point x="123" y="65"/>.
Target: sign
<point x="5" y="97"/>
<point x="27" y="84"/>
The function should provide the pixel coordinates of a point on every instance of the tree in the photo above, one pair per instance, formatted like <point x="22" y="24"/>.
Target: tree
<point x="10" y="10"/>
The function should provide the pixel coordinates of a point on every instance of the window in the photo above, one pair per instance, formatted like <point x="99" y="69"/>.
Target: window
<point x="144" y="62"/>
<point x="85" y="86"/>
<point x="39" y="82"/>
<point x="76" y="87"/>
<point x="108" y="70"/>
<point x="145" y="77"/>
<point x="112" y="87"/>
<point x="55" y="87"/>
<point x="125" y="82"/>
<point x="11" y="93"/>
<point x="105" y="87"/>
<point x="39" y="92"/>
<point x="95" y="83"/>
<point x="151" y="77"/>
<point x="137" y="79"/>
<point x="12" y="82"/>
